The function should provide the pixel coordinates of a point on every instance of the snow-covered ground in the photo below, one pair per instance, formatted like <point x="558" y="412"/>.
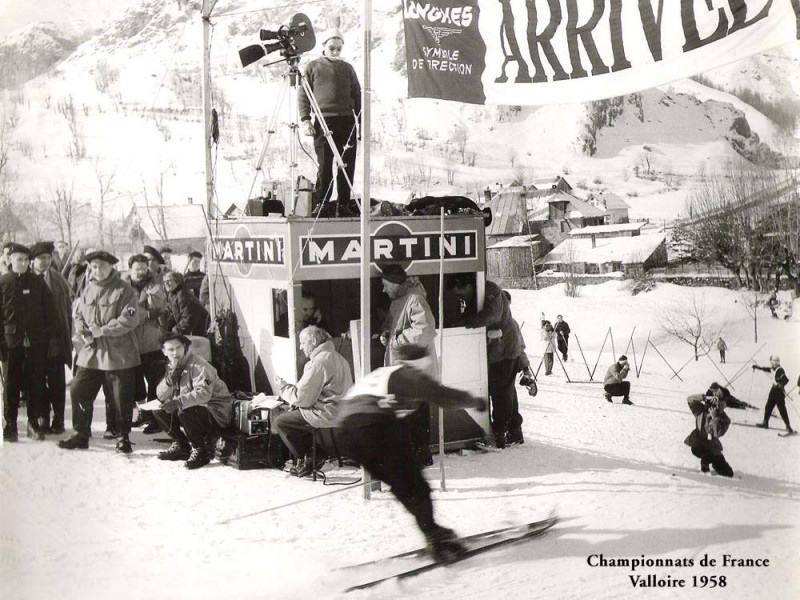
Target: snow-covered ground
<point x="94" y="524"/>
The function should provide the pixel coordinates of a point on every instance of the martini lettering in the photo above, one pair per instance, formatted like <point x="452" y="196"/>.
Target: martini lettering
<point x="264" y="251"/>
<point x="346" y="250"/>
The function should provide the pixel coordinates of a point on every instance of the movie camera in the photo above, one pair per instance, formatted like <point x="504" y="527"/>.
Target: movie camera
<point x="292" y="39"/>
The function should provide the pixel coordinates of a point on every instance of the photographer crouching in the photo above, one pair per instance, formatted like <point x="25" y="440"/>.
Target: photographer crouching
<point x="711" y="423"/>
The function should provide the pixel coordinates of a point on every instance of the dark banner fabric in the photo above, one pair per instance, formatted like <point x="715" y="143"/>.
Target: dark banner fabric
<point x="559" y="51"/>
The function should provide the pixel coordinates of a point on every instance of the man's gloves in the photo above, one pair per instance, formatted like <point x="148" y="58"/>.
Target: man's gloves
<point x="481" y="404"/>
<point x="308" y="128"/>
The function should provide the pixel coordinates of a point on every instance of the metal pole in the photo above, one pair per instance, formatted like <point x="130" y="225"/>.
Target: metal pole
<point x="208" y="7"/>
<point x="442" y="483"/>
<point x="366" y="250"/>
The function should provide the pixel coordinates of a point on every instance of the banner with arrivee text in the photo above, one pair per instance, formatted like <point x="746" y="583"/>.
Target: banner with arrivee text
<point x="559" y="51"/>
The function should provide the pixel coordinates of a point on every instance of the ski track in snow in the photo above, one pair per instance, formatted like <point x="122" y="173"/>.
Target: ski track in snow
<point x="94" y="524"/>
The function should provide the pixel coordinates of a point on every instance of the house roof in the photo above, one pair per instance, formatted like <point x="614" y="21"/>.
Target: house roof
<point x="615" y="228"/>
<point x="181" y="221"/>
<point x="508" y="215"/>
<point x="518" y="241"/>
<point x="538" y="209"/>
<point x="544" y="183"/>
<point x="628" y="250"/>
<point x="611" y="200"/>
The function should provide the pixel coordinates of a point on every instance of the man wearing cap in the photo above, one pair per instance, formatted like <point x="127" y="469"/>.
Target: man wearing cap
<point x="183" y="313"/>
<point x="410" y="321"/>
<point x="155" y="263"/>
<point x="59" y="354"/>
<point x="27" y="318"/>
<point x="194" y="399"/>
<point x="777" y="394"/>
<point x="613" y="383"/>
<point x="503" y="349"/>
<point x="105" y="317"/>
<point x="335" y="86"/>
<point x="152" y="300"/>
<point x="193" y="277"/>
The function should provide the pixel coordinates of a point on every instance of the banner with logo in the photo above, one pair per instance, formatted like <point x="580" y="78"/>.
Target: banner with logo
<point x="559" y="51"/>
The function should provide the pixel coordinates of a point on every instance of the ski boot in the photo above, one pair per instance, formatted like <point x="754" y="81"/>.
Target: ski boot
<point x="444" y="545"/>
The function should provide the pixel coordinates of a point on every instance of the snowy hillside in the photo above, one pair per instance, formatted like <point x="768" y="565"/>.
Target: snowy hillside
<point x="93" y="524"/>
<point x="135" y="89"/>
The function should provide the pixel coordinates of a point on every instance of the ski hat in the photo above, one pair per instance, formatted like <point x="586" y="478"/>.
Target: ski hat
<point x="623" y="359"/>
<point x="394" y="273"/>
<point x="195" y="254"/>
<point x="334" y="32"/>
<point x="154" y="253"/>
<point x="775" y="358"/>
<point x="101" y="255"/>
<point x="14" y="248"/>
<point x="174" y="335"/>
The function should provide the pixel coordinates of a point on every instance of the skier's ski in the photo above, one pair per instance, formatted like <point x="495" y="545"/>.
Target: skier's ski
<point x="516" y="534"/>
<point x="787" y="434"/>
<point x="418" y="552"/>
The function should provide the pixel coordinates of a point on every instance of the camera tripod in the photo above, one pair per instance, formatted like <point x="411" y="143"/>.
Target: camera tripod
<point x="291" y="81"/>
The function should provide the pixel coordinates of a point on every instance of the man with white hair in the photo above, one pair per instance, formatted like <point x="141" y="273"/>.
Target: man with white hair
<point x="325" y="376"/>
<point x="777" y="394"/>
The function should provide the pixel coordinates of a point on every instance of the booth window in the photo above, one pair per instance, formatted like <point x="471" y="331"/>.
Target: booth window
<point x="280" y="313"/>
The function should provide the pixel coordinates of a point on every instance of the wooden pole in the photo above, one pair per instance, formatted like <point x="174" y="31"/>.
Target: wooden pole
<point x="207" y="9"/>
<point x="366" y="249"/>
<point x="442" y="482"/>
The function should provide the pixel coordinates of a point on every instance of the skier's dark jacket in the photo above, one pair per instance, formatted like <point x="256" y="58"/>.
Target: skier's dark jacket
<point x="26" y="309"/>
<point x="710" y="424"/>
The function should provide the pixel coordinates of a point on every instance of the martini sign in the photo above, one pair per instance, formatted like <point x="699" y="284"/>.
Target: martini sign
<point x="392" y="242"/>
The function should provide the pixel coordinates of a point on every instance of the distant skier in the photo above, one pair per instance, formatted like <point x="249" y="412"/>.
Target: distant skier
<point x="773" y="303"/>
<point x="562" y="333"/>
<point x="711" y="423"/>
<point x="777" y="394"/>
<point x="369" y="433"/>
<point x="722" y="347"/>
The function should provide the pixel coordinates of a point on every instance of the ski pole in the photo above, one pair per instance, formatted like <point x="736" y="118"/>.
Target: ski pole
<point x="266" y="510"/>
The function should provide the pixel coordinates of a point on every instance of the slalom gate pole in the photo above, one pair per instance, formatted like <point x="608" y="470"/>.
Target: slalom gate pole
<point x="647" y="343"/>
<point x="630" y="340"/>
<point x="591" y="375"/>
<point x="613" y="350"/>
<point x="708" y="356"/>
<point x="749" y="393"/>
<point x="635" y="366"/>
<point x="682" y="367"/>
<point x="743" y="368"/>
<point x="563" y="368"/>
<point x="665" y="360"/>
<point x="266" y="510"/>
<point x="583" y="357"/>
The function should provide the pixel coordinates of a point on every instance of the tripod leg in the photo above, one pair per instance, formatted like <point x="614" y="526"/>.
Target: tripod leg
<point x="320" y="120"/>
<point x="270" y="132"/>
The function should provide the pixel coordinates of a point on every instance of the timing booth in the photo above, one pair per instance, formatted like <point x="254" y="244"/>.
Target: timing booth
<point x="265" y="269"/>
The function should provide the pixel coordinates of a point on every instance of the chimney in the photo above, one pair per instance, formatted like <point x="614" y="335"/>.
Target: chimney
<point x="594" y="240"/>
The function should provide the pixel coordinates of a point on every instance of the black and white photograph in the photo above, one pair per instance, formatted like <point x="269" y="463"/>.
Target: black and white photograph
<point x="399" y="299"/>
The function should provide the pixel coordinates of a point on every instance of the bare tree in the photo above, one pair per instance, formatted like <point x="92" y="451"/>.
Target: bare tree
<point x="155" y="206"/>
<point x="37" y="221"/>
<point x="8" y="123"/>
<point x="104" y="183"/>
<point x="692" y="323"/>
<point x="65" y="209"/>
<point x="460" y="137"/>
<point x="751" y="299"/>
<point x="569" y="257"/>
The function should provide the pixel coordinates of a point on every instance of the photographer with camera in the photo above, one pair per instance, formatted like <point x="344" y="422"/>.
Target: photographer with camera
<point x="613" y="383"/>
<point x="335" y="87"/>
<point x="711" y="423"/>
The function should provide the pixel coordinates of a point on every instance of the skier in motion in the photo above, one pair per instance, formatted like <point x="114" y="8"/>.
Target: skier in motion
<point x="369" y="434"/>
<point x="777" y="394"/>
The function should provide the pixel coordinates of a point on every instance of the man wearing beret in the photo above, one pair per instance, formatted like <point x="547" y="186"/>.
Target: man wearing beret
<point x="148" y="334"/>
<point x="184" y="313"/>
<point x="155" y="262"/>
<point x="59" y="354"/>
<point x="26" y="318"/>
<point x="105" y="318"/>
<point x="411" y="322"/>
<point x="193" y="277"/>
<point x="196" y="405"/>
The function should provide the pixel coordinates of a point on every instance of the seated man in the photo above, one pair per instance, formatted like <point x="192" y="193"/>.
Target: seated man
<point x="613" y="383"/>
<point x="192" y="397"/>
<point x="325" y="376"/>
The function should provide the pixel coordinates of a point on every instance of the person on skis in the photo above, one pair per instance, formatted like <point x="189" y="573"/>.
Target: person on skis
<point x="777" y="394"/>
<point x="370" y="434"/>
